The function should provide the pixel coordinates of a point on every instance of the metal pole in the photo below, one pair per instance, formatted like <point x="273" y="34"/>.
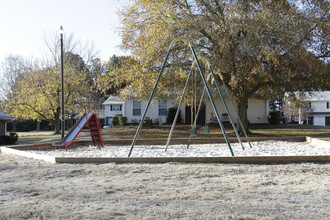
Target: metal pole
<point x="226" y="107"/>
<point x="147" y="107"/>
<point x="179" y="106"/>
<point x="212" y="101"/>
<point x="62" y="76"/>
<point x="235" y="110"/>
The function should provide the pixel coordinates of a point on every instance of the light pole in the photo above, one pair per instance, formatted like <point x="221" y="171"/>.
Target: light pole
<point x="62" y="76"/>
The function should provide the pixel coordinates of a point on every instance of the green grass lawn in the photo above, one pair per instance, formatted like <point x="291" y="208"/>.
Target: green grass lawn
<point x="183" y="131"/>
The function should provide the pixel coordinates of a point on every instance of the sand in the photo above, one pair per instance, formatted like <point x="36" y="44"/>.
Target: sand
<point x="259" y="148"/>
<point x="32" y="189"/>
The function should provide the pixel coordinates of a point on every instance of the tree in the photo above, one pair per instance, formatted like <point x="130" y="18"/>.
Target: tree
<point x="117" y="73"/>
<point x="11" y="68"/>
<point x="96" y="69"/>
<point x="261" y="48"/>
<point x="37" y="94"/>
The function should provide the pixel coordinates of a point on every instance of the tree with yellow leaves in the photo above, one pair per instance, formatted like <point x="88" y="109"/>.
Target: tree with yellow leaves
<point x="261" y="48"/>
<point x="37" y="94"/>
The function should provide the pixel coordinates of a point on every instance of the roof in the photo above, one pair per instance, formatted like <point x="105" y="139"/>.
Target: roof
<point x="113" y="100"/>
<point x="317" y="96"/>
<point x="3" y="116"/>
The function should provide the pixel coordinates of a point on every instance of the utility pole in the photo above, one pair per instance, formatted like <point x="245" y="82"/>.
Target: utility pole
<point x="62" y="76"/>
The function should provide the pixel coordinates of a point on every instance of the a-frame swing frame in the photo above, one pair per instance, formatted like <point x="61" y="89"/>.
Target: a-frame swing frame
<point x="206" y="87"/>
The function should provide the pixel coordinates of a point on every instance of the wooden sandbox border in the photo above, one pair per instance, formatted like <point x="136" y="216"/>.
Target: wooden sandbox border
<point x="17" y="150"/>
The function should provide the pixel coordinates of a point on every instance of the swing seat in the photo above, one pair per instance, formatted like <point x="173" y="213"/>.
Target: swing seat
<point x="206" y="130"/>
<point x="193" y="132"/>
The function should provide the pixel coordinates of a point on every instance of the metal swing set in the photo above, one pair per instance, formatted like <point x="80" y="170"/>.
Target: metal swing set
<point x="206" y="90"/>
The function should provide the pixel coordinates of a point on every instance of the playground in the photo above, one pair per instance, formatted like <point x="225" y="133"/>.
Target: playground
<point x="198" y="87"/>
<point x="205" y="76"/>
<point x="221" y="179"/>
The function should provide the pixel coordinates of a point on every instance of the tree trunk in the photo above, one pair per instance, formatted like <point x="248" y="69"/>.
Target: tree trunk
<point x="38" y="126"/>
<point x="57" y="122"/>
<point x="242" y="113"/>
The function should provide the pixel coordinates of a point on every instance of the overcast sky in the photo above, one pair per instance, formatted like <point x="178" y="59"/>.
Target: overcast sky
<point x="23" y="22"/>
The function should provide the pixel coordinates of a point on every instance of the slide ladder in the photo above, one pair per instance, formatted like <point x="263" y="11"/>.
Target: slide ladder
<point x="94" y="128"/>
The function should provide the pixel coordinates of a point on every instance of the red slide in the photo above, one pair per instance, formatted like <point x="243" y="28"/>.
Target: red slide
<point x="89" y="119"/>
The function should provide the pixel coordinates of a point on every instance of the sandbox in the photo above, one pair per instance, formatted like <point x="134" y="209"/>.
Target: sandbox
<point x="263" y="152"/>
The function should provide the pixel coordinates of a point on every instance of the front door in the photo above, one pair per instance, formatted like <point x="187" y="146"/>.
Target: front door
<point x="327" y="121"/>
<point x="310" y="120"/>
<point x="201" y="115"/>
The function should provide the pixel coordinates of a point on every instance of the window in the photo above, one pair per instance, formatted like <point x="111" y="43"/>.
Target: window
<point x="115" y="108"/>
<point x="328" y="105"/>
<point x="136" y="108"/>
<point x="162" y="107"/>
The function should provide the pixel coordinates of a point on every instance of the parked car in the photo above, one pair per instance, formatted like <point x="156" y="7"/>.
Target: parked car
<point x="225" y="118"/>
<point x="106" y="126"/>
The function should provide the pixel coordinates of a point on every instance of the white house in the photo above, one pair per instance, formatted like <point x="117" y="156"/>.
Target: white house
<point x="133" y="109"/>
<point x="318" y="104"/>
<point x="315" y="109"/>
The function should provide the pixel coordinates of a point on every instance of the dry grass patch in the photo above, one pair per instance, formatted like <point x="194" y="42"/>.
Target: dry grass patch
<point x="183" y="131"/>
